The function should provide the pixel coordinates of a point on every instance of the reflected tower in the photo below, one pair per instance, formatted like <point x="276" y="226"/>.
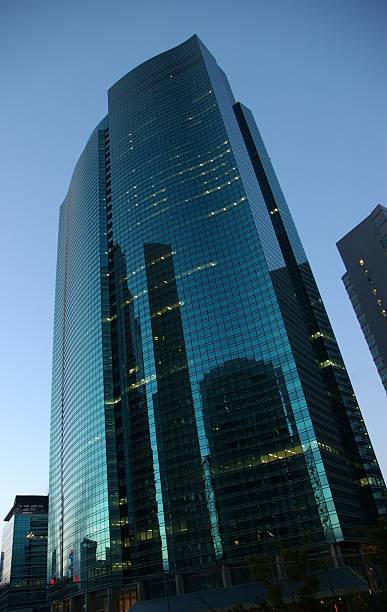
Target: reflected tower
<point x="199" y="398"/>
<point x="187" y="521"/>
<point x="259" y="473"/>
<point x="139" y="529"/>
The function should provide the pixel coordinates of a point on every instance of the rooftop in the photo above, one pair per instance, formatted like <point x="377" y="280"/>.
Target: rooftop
<point x="28" y="504"/>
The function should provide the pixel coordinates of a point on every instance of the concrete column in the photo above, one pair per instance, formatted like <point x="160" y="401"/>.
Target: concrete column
<point x="337" y="557"/>
<point x="87" y="603"/>
<point x="140" y="591"/>
<point x="280" y="566"/>
<point x="110" y="600"/>
<point x="179" y="584"/>
<point x="226" y="576"/>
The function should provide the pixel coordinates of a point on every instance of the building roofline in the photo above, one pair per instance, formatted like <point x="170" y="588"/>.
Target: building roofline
<point x="28" y="504"/>
<point x="370" y="217"/>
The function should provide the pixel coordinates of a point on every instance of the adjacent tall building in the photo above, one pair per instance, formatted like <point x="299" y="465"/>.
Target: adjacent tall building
<point x="23" y="561"/>
<point x="201" y="410"/>
<point x="364" y="253"/>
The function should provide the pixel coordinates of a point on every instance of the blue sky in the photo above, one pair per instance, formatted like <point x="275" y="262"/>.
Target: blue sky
<point x="312" y="72"/>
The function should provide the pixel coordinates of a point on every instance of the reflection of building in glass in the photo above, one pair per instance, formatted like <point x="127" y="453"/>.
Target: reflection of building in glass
<point x="24" y="554"/>
<point x="259" y="473"/>
<point x="182" y="288"/>
<point x="88" y="560"/>
<point x="187" y="520"/>
<point x="139" y="529"/>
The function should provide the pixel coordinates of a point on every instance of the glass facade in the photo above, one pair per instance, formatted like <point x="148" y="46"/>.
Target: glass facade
<point x="201" y="407"/>
<point x="24" y="554"/>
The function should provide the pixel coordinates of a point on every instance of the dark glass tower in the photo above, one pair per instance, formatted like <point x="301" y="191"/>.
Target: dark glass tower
<point x="201" y="408"/>
<point x="363" y="251"/>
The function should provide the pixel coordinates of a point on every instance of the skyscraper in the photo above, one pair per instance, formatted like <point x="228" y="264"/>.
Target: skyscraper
<point x="201" y="410"/>
<point x="24" y="555"/>
<point x="363" y="251"/>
